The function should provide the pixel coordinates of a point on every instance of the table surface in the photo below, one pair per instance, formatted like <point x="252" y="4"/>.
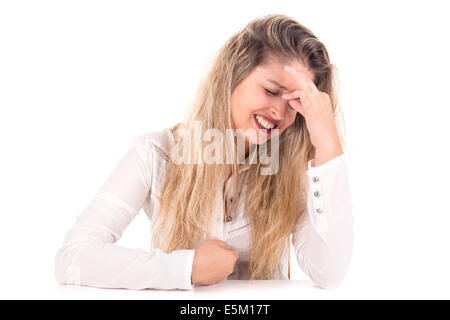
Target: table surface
<point x="236" y="290"/>
<point x="227" y="289"/>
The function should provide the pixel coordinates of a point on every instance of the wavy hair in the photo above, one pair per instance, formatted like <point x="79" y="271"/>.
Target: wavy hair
<point x="274" y="202"/>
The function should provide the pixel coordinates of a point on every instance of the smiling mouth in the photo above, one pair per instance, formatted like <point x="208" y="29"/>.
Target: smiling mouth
<point x="262" y="124"/>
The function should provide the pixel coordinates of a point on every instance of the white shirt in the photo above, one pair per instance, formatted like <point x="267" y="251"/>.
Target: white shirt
<point x="322" y="239"/>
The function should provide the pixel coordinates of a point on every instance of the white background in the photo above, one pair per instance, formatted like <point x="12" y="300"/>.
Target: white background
<point x="80" y="79"/>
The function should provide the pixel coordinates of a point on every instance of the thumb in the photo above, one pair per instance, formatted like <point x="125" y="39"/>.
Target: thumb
<point x="223" y="244"/>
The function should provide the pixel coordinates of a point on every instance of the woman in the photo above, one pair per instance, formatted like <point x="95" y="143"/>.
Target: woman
<point x="229" y="220"/>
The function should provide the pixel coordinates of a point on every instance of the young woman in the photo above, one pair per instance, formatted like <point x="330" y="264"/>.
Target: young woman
<point x="216" y="221"/>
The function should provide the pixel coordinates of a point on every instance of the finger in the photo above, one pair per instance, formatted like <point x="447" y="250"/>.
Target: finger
<point x="293" y="95"/>
<point x="313" y="87"/>
<point x="295" y="103"/>
<point x="309" y="87"/>
<point x="302" y="82"/>
<point x="223" y="244"/>
<point x="301" y="100"/>
<point x="235" y="254"/>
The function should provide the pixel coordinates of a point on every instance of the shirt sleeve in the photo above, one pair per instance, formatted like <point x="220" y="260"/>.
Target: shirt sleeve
<point x="323" y="235"/>
<point x="88" y="255"/>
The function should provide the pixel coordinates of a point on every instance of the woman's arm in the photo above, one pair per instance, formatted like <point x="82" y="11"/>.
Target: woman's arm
<point x="323" y="236"/>
<point x="88" y="255"/>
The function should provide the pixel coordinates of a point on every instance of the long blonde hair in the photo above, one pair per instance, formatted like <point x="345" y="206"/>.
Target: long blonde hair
<point x="273" y="202"/>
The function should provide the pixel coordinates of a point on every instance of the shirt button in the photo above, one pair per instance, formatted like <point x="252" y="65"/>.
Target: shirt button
<point x="316" y="193"/>
<point x="229" y="218"/>
<point x="318" y="210"/>
<point x="315" y="179"/>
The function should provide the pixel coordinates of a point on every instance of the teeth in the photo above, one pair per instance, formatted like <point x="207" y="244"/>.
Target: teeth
<point x="264" y="123"/>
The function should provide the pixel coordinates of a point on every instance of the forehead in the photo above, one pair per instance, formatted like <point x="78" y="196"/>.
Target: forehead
<point x="274" y="70"/>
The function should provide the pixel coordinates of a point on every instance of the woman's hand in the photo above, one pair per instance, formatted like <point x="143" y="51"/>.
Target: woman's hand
<point x="315" y="106"/>
<point x="213" y="262"/>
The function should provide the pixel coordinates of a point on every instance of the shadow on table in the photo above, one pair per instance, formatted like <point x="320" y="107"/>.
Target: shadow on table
<point x="225" y="286"/>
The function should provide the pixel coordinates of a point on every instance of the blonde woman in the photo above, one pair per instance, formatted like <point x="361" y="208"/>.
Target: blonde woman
<point x="230" y="220"/>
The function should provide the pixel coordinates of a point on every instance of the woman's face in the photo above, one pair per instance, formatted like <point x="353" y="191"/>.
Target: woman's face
<point x="259" y="95"/>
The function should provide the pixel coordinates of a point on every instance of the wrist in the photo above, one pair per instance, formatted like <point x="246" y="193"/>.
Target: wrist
<point x="324" y="155"/>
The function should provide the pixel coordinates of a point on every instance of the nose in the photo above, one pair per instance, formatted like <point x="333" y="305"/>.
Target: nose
<point x="278" y="111"/>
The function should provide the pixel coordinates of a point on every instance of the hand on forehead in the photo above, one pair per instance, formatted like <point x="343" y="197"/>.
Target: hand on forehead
<point x="274" y="72"/>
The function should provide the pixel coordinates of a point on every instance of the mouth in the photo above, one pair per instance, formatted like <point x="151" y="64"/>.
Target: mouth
<point x="264" y="124"/>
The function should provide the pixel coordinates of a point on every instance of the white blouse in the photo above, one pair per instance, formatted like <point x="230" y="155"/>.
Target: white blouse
<point x="322" y="239"/>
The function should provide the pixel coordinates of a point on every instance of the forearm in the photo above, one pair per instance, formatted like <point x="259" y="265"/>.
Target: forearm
<point x="323" y="237"/>
<point x="105" y="265"/>
<point x="324" y="154"/>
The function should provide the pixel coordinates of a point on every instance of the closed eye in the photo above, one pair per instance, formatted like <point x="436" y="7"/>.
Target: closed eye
<point x="271" y="93"/>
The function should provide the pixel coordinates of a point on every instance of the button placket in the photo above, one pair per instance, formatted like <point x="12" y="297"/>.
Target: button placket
<point x="228" y="187"/>
<point x="318" y="207"/>
<point x="230" y="200"/>
<point x="318" y="203"/>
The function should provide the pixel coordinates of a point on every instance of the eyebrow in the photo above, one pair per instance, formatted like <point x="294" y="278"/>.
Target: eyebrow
<point x="276" y="83"/>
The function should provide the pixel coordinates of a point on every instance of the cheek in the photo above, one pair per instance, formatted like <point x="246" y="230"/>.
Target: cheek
<point x="242" y="111"/>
